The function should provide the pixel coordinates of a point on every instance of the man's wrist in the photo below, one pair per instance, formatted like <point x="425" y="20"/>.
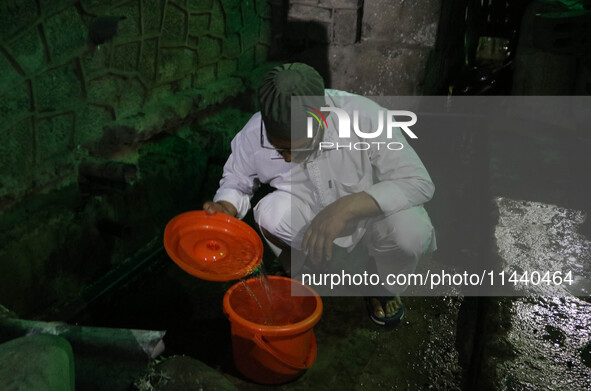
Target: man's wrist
<point x="359" y="205"/>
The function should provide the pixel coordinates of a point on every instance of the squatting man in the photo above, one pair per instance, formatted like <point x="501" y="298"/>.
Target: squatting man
<point x="329" y="199"/>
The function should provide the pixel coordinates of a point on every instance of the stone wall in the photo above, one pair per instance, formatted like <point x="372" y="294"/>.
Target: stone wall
<point x="61" y="92"/>
<point x="377" y="47"/>
<point x="339" y="20"/>
<point x="107" y="120"/>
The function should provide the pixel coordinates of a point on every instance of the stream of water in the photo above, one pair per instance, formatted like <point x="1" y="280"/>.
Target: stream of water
<point x="264" y="298"/>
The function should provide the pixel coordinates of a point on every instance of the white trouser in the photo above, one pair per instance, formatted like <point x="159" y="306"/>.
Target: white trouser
<point x="396" y="242"/>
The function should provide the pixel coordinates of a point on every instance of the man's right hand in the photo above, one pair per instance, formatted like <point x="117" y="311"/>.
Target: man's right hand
<point x="225" y="207"/>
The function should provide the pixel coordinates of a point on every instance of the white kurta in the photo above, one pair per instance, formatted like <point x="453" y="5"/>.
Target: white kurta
<point x="401" y="181"/>
<point x="396" y="179"/>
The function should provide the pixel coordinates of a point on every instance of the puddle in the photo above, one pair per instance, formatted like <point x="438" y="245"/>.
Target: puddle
<point x="538" y="237"/>
<point x="550" y="338"/>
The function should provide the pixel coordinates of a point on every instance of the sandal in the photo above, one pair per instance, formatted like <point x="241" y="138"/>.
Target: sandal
<point x="385" y="321"/>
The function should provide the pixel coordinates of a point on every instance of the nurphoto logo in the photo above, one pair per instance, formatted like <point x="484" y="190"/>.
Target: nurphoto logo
<point x="344" y="127"/>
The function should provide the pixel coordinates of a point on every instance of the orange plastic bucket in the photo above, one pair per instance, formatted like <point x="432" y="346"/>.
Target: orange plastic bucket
<point x="273" y="343"/>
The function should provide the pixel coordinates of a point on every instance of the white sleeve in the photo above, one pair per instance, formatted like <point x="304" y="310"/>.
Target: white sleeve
<point x="240" y="179"/>
<point x="403" y="180"/>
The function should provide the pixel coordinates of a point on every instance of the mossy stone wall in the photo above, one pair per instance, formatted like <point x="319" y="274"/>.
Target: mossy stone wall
<point x="142" y="98"/>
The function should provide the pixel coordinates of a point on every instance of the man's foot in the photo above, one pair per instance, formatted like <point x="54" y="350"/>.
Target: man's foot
<point x="385" y="311"/>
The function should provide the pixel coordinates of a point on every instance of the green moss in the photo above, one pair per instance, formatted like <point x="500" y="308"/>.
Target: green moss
<point x="218" y="21"/>
<point x="205" y="75"/>
<point x="175" y="63"/>
<point x="147" y="65"/>
<point x="131" y="98"/>
<point x="231" y="46"/>
<point x="15" y="104"/>
<point x="265" y="33"/>
<point x="152" y="16"/>
<point x="16" y="157"/>
<point x="262" y="8"/>
<point x="198" y="24"/>
<point x="199" y="5"/>
<point x="130" y="26"/>
<point x="55" y="137"/>
<point x="209" y="49"/>
<point x="174" y="28"/>
<point x="249" y="16"/>
<point x="30" y="231"/>
<point x="96" y="61"/>
<point x="16" y="16"/>
<point x="8" y="75"/>
<point x="171" y="172"/>
<point x="66" y="34"/>
<point x="90" y="121"/>
<point x="261" y="53"/>
<point x="250" y="34"/>
<point x="246" y="61"/>
<point x="28" y="51"/>
<point x="216" y="132"/>
<point x="125" y="57"/>
<point x="230" y="4"/>
<point x="57" y="88"/>
<point x="234" y="22"/>
<point x="104" y="89"/>
<point x="227" y="68"/>
<point x="97" y="6"/>
<point x="49" y="7"/>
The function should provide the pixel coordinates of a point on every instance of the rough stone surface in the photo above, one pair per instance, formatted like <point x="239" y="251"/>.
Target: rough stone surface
<point x="17" y="144"/>
<point x="126" y="57"/>
<point x="377" y="69"/>
<point x="147" y="64"/>
<point x="128" y="28"/>
<point x="182" y="373"/>
<point x="37" y="363"/>
<point x="401" y="22"/>
<point x="174" y="24"/>
<point x="309" y="13"/>
<point x="199" y="5"/>
<point x="16" y="16"/>
<point x="55" y="137"/>
<point x="198" y="24"/>
<point x="346" y="26"/>
<point x="541" y="72"/>
<point x="63" y="98"/>
<point x="209" y="50"/>
<point x="152" y="16"/>
<point x="343" y="4"/>
<point x="250" y="35"/>
<point x="57" y="88"/>
<point x="66" y="34"/>
<point x="10" y="76"/>
<point x="14" y="103"/>
<point x="305" y="2"/>
<point x="28" y="51"/>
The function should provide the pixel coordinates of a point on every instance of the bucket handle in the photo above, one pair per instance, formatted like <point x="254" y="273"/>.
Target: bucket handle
<point x="258" y="339"/>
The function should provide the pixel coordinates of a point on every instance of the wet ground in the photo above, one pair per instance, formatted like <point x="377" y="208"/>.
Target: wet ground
<point x="353" y="353"/>
<point x="501" y="198"/>
<point x="541" y="194"/>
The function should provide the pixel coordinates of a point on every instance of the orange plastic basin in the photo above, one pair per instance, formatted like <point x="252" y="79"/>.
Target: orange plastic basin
<point x="214" y="247"/>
